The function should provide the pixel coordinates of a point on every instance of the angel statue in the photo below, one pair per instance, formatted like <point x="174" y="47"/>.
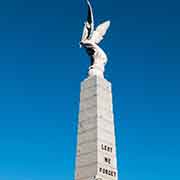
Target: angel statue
<point x="90" y="40"/>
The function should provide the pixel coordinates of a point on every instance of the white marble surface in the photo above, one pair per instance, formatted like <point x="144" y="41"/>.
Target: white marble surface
<point x="96" y="129"/>
<point x="90" y="40"/>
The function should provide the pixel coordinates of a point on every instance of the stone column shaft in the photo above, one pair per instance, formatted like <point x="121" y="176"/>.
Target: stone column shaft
<point x="96" y="147"/>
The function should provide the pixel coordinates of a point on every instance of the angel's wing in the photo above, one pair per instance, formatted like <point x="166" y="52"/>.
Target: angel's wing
<point x="100" y="32"/>
<point x="85" y="33"/>
<point x="89" y="24"/>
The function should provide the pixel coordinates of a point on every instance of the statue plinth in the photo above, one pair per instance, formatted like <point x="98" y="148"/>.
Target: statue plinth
<point x="96" y="144"/>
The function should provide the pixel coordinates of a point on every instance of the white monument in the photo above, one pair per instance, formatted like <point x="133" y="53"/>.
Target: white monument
<point x="96" y="146"/>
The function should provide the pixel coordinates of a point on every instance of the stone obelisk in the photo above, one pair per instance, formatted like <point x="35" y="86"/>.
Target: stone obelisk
<point x="96" y="146"/>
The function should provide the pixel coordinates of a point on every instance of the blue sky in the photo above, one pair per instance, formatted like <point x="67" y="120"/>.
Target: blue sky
<point x="41" y="67"/>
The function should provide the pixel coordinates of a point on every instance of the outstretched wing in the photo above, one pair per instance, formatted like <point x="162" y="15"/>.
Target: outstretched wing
<point x="100" y="32"/>
<point x="85" y="33"/>
<point x="89" y="24"/>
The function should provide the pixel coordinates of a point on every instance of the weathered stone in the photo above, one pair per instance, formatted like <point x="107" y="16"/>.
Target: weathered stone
<point x="96" y="147"/>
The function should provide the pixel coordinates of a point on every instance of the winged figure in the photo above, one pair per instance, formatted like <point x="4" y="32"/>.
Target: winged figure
<point x="90" y="40"/>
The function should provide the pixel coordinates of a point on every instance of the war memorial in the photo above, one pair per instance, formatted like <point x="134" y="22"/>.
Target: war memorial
<point x="96" y="145"/>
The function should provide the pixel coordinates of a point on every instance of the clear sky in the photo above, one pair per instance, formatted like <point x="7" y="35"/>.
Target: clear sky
<point x="41" y="67"/>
